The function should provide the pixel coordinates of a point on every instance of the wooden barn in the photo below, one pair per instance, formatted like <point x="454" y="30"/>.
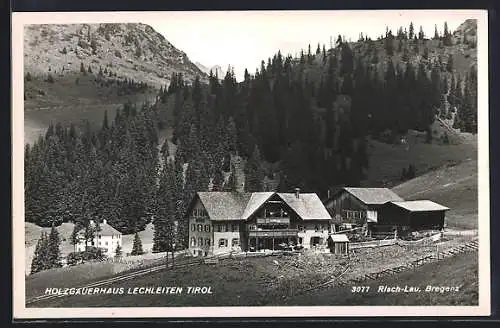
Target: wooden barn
<point x="354" y="207"/>
<point x="414" y="215"/>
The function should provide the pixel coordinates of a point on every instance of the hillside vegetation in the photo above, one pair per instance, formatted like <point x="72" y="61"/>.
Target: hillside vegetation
<point x="355" y="114"/>
<point x="57" y="92"/>
<point x="455" y="186"/>
<point x="134" y="51"/>
<point x="74" y="98"/>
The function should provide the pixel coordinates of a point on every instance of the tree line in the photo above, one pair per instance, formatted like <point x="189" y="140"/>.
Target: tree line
<point x="302" y="122"/>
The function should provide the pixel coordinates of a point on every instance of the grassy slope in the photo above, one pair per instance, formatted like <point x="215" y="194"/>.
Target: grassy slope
<point x="67" y="102"/>
<point x="243" y="284"/>
<point x="460" y="271"/>
<point x="454" y="187"/>
<point x="32" y="234"/>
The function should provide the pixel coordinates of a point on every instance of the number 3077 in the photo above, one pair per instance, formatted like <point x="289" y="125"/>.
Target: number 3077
<point x="360" y="289"/>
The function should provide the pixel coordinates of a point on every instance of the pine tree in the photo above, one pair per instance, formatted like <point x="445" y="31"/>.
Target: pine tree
<point x="404" y="174"/>
<point x="449" y="63"/>
<point x="218" y="180"/>
<point x="118" y="251"/>
<point x="421" y="34"/>
<point x="254" y="175"/>
<point x="89" y="234"/>
<point x="447" y="41"/>
<point x="411" y="171"/>
<point x="54" y="250"/>
<point x="436" y="34"/>
<point x="40" y="260"/>
<point x="411" y="31"/>
<point x="426" y="53"/>
<point x="230" y="185"/>
<point x="137" y="245"/>
<point x="82" y="69"/>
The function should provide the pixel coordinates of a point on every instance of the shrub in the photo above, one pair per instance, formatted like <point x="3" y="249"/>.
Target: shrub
<point x="118" y="54"/>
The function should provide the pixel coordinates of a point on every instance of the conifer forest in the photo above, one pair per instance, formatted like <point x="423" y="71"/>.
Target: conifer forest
<point x="297" y="122"/>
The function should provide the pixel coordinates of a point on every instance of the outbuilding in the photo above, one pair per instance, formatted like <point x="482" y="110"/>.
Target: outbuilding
<point x="413" y="215"/>
<point x="338" y="244"/>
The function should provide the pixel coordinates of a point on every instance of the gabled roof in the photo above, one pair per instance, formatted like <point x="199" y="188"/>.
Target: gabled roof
<point x="420" y="206"/>
<point x="240" y="206"/>
<point x="339" y="238"/>
<point x="307" y="206"/>
<point x="374" y="196"/>
<point x="107" y="230"/>
<point x="256" y="201"/>
<point x="104" y="230"/>
<point x="224" y="205"/>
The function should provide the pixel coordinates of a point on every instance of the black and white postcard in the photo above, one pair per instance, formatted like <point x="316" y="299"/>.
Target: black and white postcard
<point x="250" y="163"/>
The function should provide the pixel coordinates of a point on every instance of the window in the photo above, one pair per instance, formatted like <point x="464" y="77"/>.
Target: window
<point x="193" y="227"/>
<point x="198" y="212"/>
<point x="99" y="236"/>
<point x="221" y="228"/>
<point x="200" y="241"/>
<point x="106" y="243"/>
<point x="222" y="242"/>
<point x="300" y="240"/>
<point x="235" y="227"/>
<point x="99" y="244"/>
<point x="235" y="242"/>
<point x="300" y="227"/>
<point x="193" y="242"/>
<point x="207" y="228"/>
<point x="207" y="242"/>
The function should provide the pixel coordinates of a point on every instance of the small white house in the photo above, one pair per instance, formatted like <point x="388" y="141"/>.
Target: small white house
<point x="107" y="239"/>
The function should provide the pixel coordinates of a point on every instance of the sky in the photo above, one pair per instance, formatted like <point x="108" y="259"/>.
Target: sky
<point x="243" y="39"/>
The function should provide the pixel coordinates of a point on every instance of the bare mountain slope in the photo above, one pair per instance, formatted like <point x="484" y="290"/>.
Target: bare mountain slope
<point x="123" y="51"/>
<point x="131" y="50"/>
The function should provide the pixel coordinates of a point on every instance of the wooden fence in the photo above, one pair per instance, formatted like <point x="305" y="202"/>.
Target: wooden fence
<point x="374" y="243"/>
<point x="472" y="245"/>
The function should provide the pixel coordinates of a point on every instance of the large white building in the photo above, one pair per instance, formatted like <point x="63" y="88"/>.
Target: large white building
<point x="221" y="222"/>
<point x="106" y="238"/>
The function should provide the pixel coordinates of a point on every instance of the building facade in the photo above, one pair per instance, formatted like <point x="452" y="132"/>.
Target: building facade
<point x="223" y="222"/>
<point x="355" y="207"/>
<point x="106" y="238"/>
<point x="408" y="216"/>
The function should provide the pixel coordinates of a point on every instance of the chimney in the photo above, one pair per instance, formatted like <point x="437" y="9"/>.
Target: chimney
<point x="297" y="192"/>
<point x="104" y="221"/>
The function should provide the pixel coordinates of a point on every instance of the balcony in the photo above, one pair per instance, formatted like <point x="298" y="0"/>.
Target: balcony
<point x="273" y="233"/>
<point x="274" y="220"/>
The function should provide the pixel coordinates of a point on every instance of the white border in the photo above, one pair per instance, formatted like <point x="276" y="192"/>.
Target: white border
<point x="21" y="312"/>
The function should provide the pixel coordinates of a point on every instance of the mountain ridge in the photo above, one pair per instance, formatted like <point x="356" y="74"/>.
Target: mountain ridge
<point x="131" y="50"/>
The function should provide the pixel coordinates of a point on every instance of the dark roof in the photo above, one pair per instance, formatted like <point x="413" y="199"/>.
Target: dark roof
<point x="241" y="205"/>
<point x="420" y="206"/>
<point x="374" y="196"/>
